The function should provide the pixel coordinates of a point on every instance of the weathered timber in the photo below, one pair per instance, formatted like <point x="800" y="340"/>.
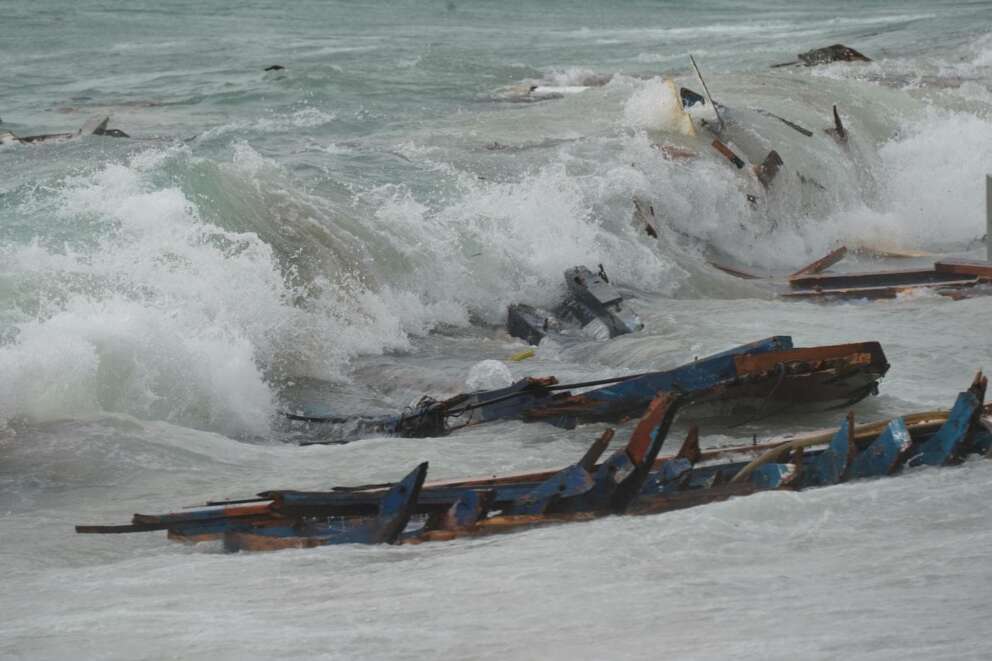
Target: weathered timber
<point x="736" y="272"/>
<point x="838" y="132"/>
<point x="894" y="278"/>
<point x="673" y="483"/>
<point x="470" y="507"/>
<point x="968" y="267"/>
<point x="775" y="476"/>
<point x="831" y="465"/>
<point x="821" y="264"/>
<point x="394" y="513"/>
<point x="952" y="288"/>
<point x="885" y="454"/>
<point x="827" y="376"/>
<point x="728" y="153"/>
<point x="792" y="125"/>
<point x="768" y="169"/>
<point x="950" y="442"/>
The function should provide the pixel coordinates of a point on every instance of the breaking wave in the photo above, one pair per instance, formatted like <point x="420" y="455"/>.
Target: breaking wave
<point x="174" y="287"/>
<point x="141" y="305"/>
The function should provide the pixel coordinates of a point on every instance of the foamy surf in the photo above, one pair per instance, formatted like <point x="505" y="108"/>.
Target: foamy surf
<point x="349" y="230"/>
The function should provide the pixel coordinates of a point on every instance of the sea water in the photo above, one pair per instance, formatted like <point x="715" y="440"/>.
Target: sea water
<point x="348" y="231"/>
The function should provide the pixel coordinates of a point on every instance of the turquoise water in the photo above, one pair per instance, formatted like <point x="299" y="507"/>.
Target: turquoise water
<point x="348" y="231"/>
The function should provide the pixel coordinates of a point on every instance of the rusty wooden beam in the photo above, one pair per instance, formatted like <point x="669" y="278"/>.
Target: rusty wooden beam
<point x="821" y="264"/>
<point x="737" y="273"/>
<point x="977" y="268"/>
<point x="854" y="352"/>
<point x="879" y="292"/>
<point x="893" y="278"/>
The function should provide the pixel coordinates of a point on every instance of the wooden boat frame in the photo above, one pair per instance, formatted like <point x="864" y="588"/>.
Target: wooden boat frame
<point x="632" y="480"/>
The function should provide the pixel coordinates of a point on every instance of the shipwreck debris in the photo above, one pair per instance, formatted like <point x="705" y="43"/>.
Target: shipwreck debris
<point x="838" y="132"/>
<point x="955" y="278"/>
<point x="948" y="277"/>
<point x="592" y="306"/>
<point x="94" y="126"/>
<point x="792" y="125"/>
<point x="768" y="169"/>
<point x="823" y="263"/>
<point x="761" y="378"/>
<point x="728" y="153"/>
<point x="634" y="479"/>
<point x="644" y="217"/>
<point x="826" y="55"/>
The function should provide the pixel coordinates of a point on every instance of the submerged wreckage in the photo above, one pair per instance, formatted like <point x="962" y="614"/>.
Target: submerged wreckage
<point x="592" y="306"/>
<point x="951" y="277"/>
<point x="633" y="480"/>
<point x="94" y="126"/>
<point x="757" y="379"/>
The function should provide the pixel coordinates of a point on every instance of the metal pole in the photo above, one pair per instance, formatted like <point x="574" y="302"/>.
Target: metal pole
<point x="988" y="217"/>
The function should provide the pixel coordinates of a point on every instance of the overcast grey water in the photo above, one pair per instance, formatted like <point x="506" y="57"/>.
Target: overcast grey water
<point x="348" y="231"/>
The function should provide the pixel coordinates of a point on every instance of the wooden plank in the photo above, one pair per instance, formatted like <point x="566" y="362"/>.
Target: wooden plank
<point x="821" y="264"/>
<point x="831" y="466"/>
<point x="472" y="506"/>
<point x="567" y="483"/>
<point x="885" y="454"/>
<point x="737" y="273"/>
<point x="894" y="278"/>
<point x="888" y="291"/>
<point x="977" y="268"/>
<point x="775" y="476"/>
<point x="889" y="252"/>
<point x="749" y="363"/>
<point x="950" y="441"/>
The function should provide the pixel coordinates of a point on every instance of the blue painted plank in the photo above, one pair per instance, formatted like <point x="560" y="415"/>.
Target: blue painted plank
<point x="632" y="396"/>
<point x="885" y="453"/>
<point x="943" y="447"/>
<point x="398" y="505"/>
<point x="465" y="512"/>
<point x="395" y="509"/>
<point x="669" y="476"/>
<point x="567" y="483"/>
<point x="830" y="466"/>
<point x="774" y="476"/>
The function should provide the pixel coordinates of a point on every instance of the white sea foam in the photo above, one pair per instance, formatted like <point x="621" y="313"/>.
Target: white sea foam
<point x="162" y="315"/>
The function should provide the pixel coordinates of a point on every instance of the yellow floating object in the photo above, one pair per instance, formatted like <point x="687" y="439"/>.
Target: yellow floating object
<point x="523" y="355"/>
